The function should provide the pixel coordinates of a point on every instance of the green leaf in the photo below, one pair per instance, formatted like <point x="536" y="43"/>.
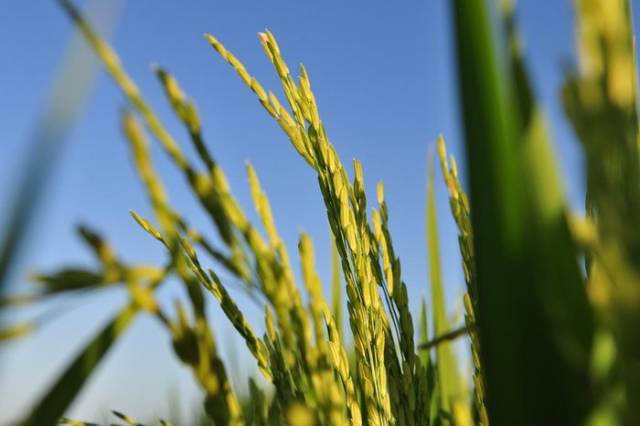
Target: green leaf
<point x="61" y="394"/>
<point x="532" y="301"/>
<point x="69" y="279"/>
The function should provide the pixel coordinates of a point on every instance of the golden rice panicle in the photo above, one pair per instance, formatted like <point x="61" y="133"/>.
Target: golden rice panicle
<point x="308" y="365"/>
<point x="368" y="318"/>
<point x="340" y="361"/>
<point x="269" y="102"/>
<point x="183" y="107"/>
<point x="285" y="294"/>
<point x="211" y="282"/>
<point x="459" y="205"/>
<point x="333" y="393"/>
<point x="211" y="188"/>
<point x="317" y="301"/>
<point x="407" y="375"/>
<point x="114" y="67"/>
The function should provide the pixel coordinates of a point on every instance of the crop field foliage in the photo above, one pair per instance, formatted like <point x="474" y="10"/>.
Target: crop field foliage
<point x="552" y="297"/>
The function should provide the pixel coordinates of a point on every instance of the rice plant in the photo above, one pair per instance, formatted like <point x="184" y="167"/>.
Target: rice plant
<point x="552" y="297"/>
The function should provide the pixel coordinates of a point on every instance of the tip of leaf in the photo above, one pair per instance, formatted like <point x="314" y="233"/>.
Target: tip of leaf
<point x="121" y="416"/>
<point x="214" y="276"/>
<point x="36" y="277"/>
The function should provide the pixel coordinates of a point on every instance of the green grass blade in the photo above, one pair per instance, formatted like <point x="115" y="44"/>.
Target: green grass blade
<point x="532" y="302"/>
<point x="69" y="384"/>
<point x="556" y="272"/>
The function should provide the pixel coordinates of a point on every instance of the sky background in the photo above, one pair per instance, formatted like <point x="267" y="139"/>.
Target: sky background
<point x="384" y="77"/>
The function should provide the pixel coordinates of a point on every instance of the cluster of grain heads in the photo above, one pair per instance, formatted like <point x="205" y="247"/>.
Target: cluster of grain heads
<point x="302" y="364"/>
<point x="549" y="344"/>
<point x="367" y="255"/>
<point x="303" y="353"/>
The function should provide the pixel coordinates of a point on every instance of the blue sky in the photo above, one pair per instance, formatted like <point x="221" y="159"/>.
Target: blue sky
<point x="384" y="77"/>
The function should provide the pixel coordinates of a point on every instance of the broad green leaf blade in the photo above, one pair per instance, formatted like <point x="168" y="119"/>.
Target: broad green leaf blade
<point x="70" y="279"/>
<point x="532" y="302"/>
<point x="69" y="384"/>
<point x="551" y="246"/>
<point x="551" y="250"/>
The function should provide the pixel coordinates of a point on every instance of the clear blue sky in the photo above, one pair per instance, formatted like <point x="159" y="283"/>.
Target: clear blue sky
<point x="384" y="76"/>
